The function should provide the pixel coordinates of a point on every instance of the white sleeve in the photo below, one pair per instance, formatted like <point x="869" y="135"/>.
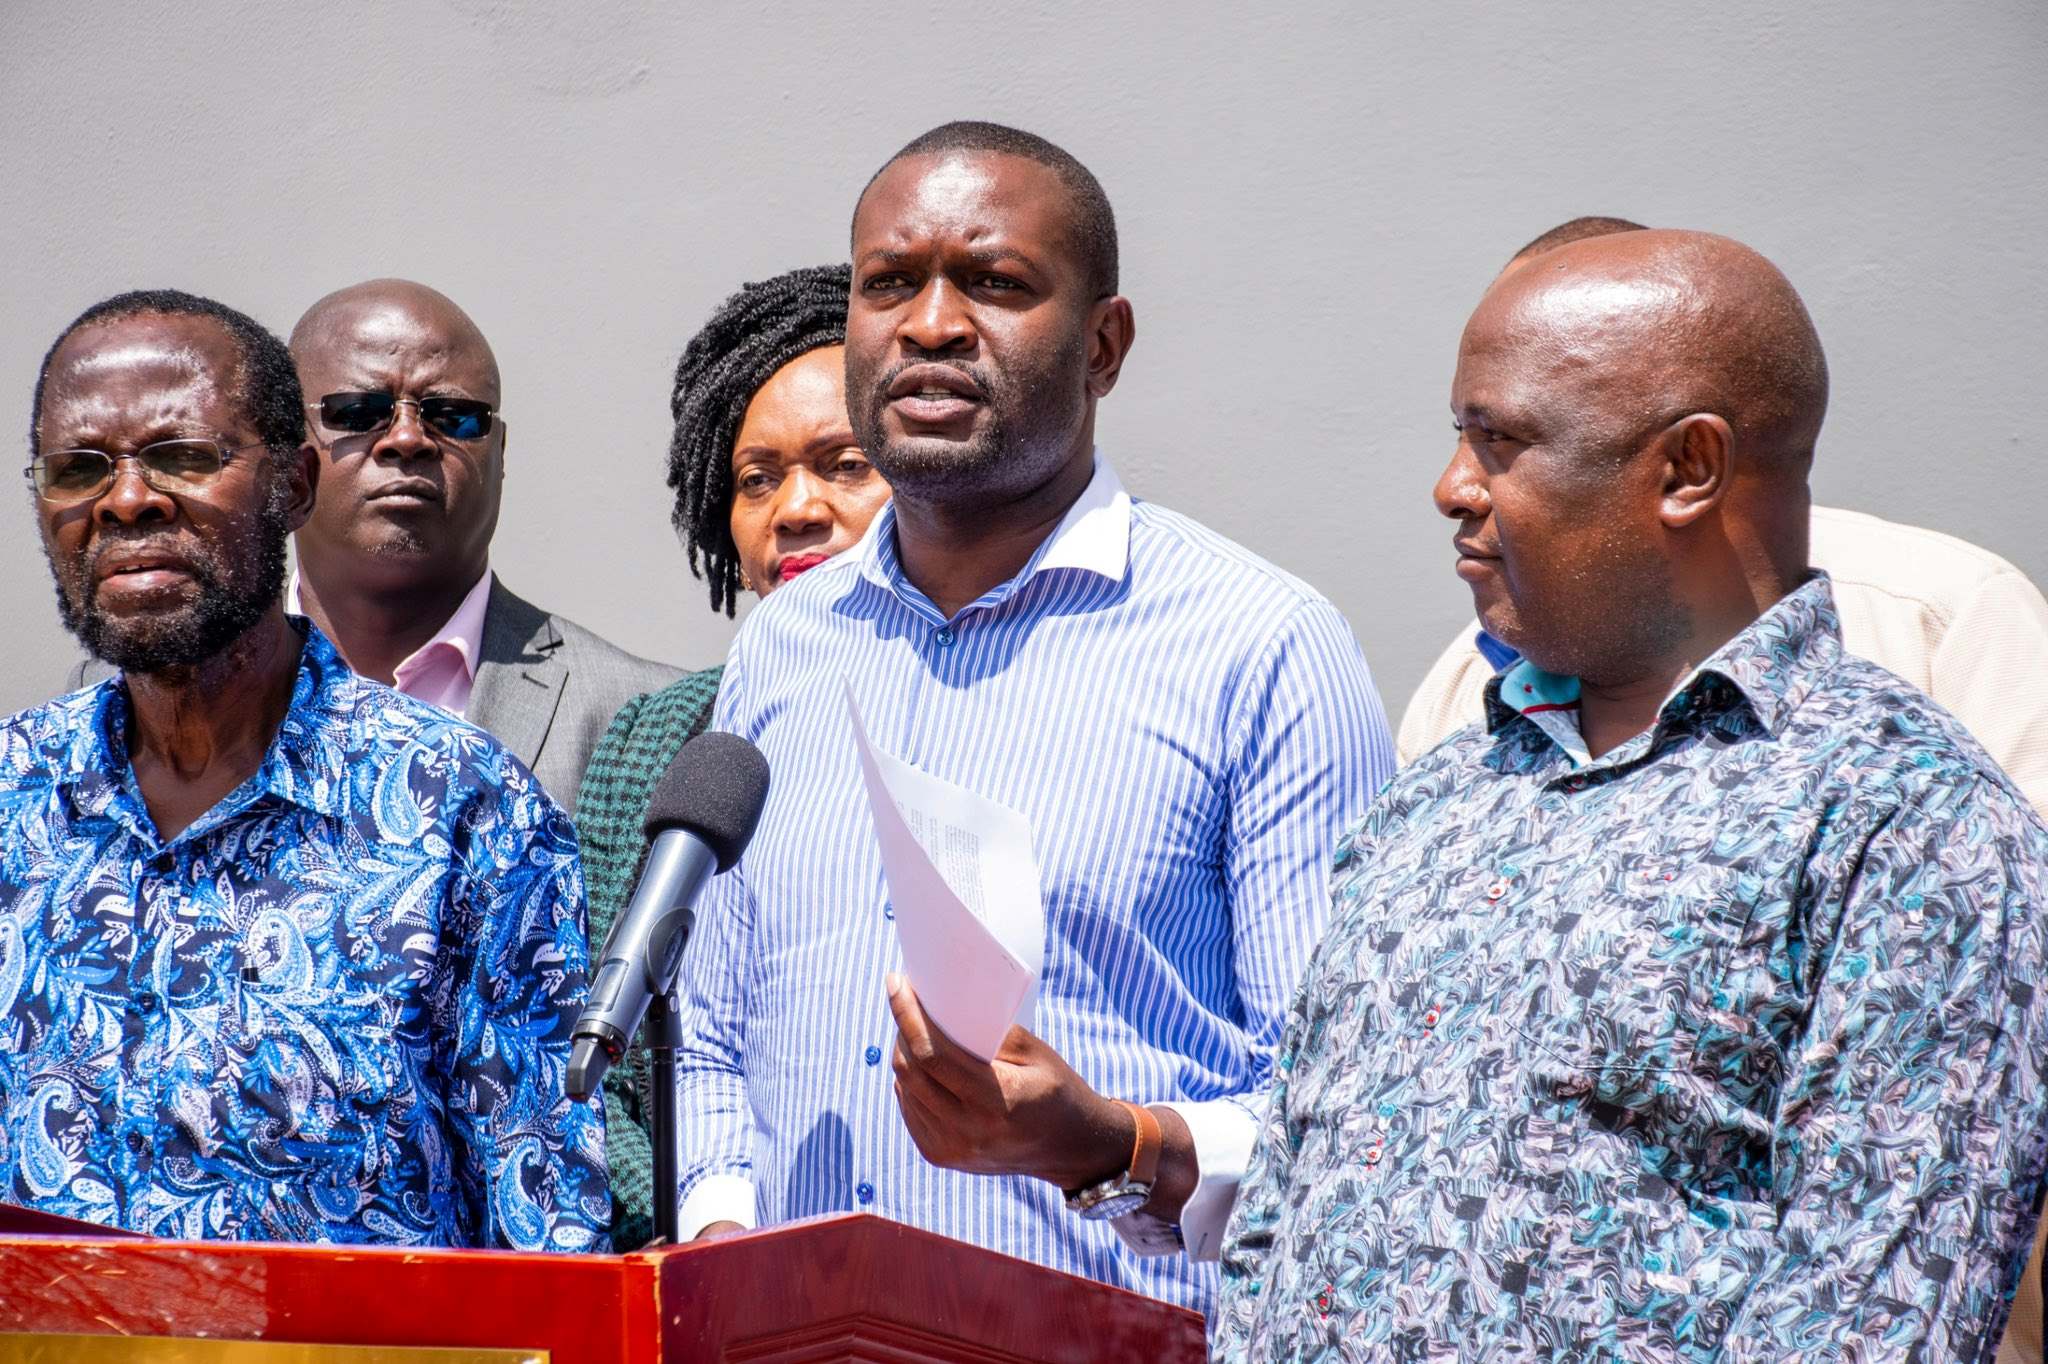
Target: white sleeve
<point x="1223" y="1132"/>
<point x="717" y="1198"/>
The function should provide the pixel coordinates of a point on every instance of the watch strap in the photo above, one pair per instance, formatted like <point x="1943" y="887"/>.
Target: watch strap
<point x="1145" y="1146"/>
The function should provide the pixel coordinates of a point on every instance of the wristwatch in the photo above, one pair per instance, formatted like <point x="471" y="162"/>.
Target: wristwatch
<point x="1123" y="1194"/>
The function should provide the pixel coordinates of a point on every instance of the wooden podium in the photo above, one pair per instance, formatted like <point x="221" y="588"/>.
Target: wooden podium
<point x="835" y="1288"/>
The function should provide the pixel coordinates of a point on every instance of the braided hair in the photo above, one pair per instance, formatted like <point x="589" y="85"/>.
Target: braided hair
<point x="752" y="334"/>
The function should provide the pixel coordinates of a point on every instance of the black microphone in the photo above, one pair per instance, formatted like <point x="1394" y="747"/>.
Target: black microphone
<point x="700" y="818"/>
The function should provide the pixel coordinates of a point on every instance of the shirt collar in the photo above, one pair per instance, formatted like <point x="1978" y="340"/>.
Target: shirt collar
<point x="1093" y="537"/>
<point x="306" y="763"/>
<point x="1550" y="701"/>
<point x="462" y="631"/>
<point x="1777" y="661"/>
<point x="1771" y="667"/>
<point x="1497" y="654"/>
<point x="316" y="747"/>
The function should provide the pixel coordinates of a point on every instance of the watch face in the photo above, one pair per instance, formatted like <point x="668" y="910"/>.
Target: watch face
<point x="1116" y="1205"/>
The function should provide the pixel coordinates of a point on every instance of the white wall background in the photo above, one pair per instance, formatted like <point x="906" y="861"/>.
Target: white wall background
<point x="1311" y="197"/>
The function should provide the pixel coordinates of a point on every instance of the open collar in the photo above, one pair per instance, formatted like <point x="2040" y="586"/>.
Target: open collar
<point x="306" y="764"/>
<point x="463" y="631"/>
<point x="1769" y="669"/>
<point x="1093" y="537"/>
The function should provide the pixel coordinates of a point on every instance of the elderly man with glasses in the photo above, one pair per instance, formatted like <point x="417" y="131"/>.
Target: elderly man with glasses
<point x="394" y="562"/>
<point x="283" y="955"/>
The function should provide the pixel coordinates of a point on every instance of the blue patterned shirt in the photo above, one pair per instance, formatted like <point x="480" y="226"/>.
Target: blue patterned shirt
<point x="335" y="1008"/>
<point x="1727" y="1045"/>
<point x="1187" y="729"/>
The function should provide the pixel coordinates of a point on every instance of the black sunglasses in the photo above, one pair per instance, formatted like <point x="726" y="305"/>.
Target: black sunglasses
<point x="357" y="413"/>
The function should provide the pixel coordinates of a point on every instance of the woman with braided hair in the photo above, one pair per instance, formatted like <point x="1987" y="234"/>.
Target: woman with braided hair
<point x="768" y="483"/>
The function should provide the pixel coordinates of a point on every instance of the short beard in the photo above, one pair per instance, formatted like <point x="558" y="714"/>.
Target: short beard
<point x="401" y="542"/>
<point x="1623" y="615"/>
<point x="1020" y="445"/>
<point x="232" y="597"/>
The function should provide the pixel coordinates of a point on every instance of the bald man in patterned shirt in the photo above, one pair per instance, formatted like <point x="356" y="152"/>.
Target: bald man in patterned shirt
<point x="1691" y="1008"/>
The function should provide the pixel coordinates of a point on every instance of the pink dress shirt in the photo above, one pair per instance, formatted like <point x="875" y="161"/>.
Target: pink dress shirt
<point x="442" y="671"/>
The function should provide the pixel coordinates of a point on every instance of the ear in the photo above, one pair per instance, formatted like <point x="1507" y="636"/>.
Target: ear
<point x="1699" y="458"/>
<point x="303" y="472"/>
<point x="1111" y="329"/>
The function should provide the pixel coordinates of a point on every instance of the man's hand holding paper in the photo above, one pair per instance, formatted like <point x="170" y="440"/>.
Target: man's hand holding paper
<point x="1026" y="1112"/>
<point x="979" y="1092"/>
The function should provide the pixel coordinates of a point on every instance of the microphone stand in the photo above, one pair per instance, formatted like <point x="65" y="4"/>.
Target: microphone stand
<point x="662" y="1035"/>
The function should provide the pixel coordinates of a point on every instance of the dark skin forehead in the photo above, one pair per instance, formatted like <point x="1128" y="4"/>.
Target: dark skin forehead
<point x="146" y="376"/>
<point x="1621" y="334"/>
<point x="996" y="205"/>
<point x="386" y="328"/>
<point x="1569" y="351"/>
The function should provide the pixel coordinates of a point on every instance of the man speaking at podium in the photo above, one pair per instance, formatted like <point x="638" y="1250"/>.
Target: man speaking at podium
<point x="284" y="954"/>
<point x="1185" y="727"/>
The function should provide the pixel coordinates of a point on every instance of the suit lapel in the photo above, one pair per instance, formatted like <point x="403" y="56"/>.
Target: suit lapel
<point x="520" y="677"/>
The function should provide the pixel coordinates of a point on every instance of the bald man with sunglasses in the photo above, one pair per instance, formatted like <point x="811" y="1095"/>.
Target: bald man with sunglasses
<point x="403" y="393"/>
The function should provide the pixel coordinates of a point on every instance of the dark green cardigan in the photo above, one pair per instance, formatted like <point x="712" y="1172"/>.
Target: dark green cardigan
<point x="611" y="807"/>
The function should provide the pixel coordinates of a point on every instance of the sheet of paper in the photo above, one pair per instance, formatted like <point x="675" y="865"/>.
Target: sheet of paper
<point x="964" y="883"/>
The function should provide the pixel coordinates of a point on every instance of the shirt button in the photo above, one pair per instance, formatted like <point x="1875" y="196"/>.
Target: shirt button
<point x="136" y="1142"/>
<point x="873" y="1056"/>
<point x="888" y="911"/>
<point x="162" y="864"/>
<point x="864" y="1191"/>
<point x="1496" y="890"/>
<point x="147" y="1002"/>
<point x="944" y="637"/>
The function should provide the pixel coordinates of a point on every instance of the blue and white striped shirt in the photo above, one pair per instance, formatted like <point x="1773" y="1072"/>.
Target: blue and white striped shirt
<point x="1188" y="730"/>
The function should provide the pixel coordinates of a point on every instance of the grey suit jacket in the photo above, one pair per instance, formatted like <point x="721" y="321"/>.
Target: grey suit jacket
<point x="546" y="688"/>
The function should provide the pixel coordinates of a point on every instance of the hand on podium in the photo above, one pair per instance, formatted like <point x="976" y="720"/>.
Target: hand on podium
<point x="1024" y="1113"/>
<point x="713" y="1230"/>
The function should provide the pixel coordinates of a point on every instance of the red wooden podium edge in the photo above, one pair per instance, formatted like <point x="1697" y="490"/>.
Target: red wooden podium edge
<point x="860" y="1286"/>
<point x="966" y="1287"/>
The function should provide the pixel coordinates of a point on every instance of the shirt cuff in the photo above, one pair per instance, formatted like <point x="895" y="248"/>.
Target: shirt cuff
<point x="717" y="1198"/>
<point x="1223" y="1131"/>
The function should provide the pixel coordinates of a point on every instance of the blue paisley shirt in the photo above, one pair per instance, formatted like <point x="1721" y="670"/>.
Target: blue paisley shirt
<point x="335" y="1008"/>
<point x="1726" y="1046"/>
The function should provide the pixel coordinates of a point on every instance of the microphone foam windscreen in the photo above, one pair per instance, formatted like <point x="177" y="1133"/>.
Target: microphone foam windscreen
<point x="714" y="789"/>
